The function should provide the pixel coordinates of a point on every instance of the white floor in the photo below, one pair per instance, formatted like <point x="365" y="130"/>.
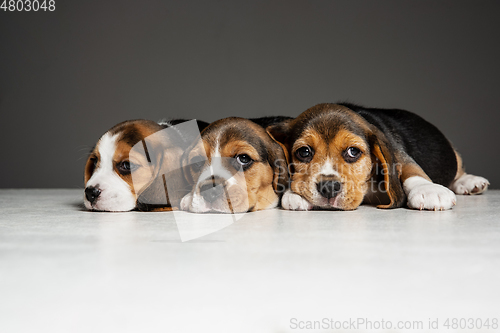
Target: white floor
<point x="63" y="269"/>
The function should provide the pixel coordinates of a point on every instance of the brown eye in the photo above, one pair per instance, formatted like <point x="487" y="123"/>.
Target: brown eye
<point x="304" y="154"/>
<point x="243" y="159"/>
<point x="352" y="154"/>
<point x="126" y="167"/>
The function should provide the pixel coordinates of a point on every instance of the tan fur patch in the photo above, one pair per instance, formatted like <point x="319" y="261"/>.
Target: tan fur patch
<point x="239" y="147"/>
<point x="411" y="170"/>
<point x="460" y="166"/>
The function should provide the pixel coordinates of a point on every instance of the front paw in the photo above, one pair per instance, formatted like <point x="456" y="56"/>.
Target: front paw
<point x="293" y="201"/>
<point x="186" y="202"/>
<point x="470" y="184"/>
<point x="431" y="197"/>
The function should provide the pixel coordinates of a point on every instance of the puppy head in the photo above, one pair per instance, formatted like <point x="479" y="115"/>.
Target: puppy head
<point x="118" y="177"/>
<point x="236" y="167"/>
<point x="333" y="152"/>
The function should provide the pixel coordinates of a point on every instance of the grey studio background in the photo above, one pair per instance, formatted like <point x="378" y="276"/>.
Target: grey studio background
<point x="69" y="75"/>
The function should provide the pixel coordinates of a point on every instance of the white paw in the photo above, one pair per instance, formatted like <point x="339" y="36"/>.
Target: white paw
<point x="470" y="184"/>
<point x="186" y="202"/>
<point x="431" y="197"/>
<point x="293" y="201"/>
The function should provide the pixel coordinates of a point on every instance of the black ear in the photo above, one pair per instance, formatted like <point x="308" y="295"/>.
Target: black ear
<point x="383" y="152"/>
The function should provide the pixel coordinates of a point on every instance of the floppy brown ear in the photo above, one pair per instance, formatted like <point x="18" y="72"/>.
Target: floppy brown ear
<point x="89" y="169"/>
<point x="280" y="132"/>
<point x="280" y="158"/>
<point x="380" y="148"/>
<point x="276" y="158"/>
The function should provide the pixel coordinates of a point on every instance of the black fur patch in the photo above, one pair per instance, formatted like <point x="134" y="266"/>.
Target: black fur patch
<point x="201" y="124"/>
<point x="420" y="139"/>
<point x="268" y="121"/>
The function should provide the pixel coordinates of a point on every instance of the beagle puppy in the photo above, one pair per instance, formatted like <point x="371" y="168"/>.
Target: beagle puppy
<point x="236" y="167"/>
<point x="120" y="178"/>
<point x="344" y="154"/>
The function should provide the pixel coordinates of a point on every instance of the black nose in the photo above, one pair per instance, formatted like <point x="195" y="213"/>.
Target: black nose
<point x="211" y="191"/>
<point x="329" y="189"/>
<point x="91" y="193"/>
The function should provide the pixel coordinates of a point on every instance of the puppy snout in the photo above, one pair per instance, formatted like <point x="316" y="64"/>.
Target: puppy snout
<point x="211" y="191"/>
<point x="92" y="193"/>
<point x="329" y="189"/>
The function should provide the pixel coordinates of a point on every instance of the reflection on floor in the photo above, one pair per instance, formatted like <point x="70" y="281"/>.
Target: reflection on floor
<point x="63" y="269"/>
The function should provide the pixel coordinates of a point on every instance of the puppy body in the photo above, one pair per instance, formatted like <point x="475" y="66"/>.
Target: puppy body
<point x="236" y="167"/>
<point x="343" y="154"/>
